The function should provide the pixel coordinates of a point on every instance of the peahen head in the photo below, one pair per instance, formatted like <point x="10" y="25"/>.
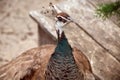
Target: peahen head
<point x="62" y="19"/>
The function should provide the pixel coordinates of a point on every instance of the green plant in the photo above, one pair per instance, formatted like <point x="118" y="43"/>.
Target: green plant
<point x="108" y="9"/>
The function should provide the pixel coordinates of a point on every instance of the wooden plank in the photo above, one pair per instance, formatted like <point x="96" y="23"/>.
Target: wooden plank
<point x="44" y="34"/>
<point x="105" y="33"/>
<point x="104" y="65"/>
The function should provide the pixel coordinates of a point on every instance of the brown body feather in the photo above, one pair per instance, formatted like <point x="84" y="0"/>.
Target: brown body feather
<point x="31" y="65"/>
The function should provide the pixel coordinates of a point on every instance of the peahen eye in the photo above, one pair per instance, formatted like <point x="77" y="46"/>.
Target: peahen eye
<point x="59" y="18"/>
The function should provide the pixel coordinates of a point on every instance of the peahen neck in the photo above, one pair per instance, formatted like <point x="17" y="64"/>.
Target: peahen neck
<point x="62" y="65"/>
<point x="63" y="46"/>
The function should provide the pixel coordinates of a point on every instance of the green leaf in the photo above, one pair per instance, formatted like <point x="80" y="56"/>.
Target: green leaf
<point x="108" y="9"/>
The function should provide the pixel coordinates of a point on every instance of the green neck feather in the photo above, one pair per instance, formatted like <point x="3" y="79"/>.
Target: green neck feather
<point x="63" y="46"/>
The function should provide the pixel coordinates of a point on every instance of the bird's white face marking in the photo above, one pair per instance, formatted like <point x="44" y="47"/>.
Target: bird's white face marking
<point x="61" y="20"/>
<point x="59" y="26"/>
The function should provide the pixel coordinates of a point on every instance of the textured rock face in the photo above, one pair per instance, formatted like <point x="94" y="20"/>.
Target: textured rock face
<point x="18" y="32"/>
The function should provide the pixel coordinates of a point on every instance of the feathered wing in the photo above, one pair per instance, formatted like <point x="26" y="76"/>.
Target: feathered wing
<point x="25" y="66"/>
<point x="81" y="60"/>
<point x="83" y="64"/>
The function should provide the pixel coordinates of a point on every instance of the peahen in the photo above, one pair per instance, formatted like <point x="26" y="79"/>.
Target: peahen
<point x="50" y="62"/>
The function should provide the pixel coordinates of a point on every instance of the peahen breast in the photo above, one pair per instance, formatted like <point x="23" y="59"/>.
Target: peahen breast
<point x="62" y="65"/>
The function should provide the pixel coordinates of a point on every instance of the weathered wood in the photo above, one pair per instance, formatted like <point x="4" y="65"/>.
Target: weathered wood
<point x="105" y="65"/>
<point x="45" y="23"/>
<point x="43" y="36"/>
